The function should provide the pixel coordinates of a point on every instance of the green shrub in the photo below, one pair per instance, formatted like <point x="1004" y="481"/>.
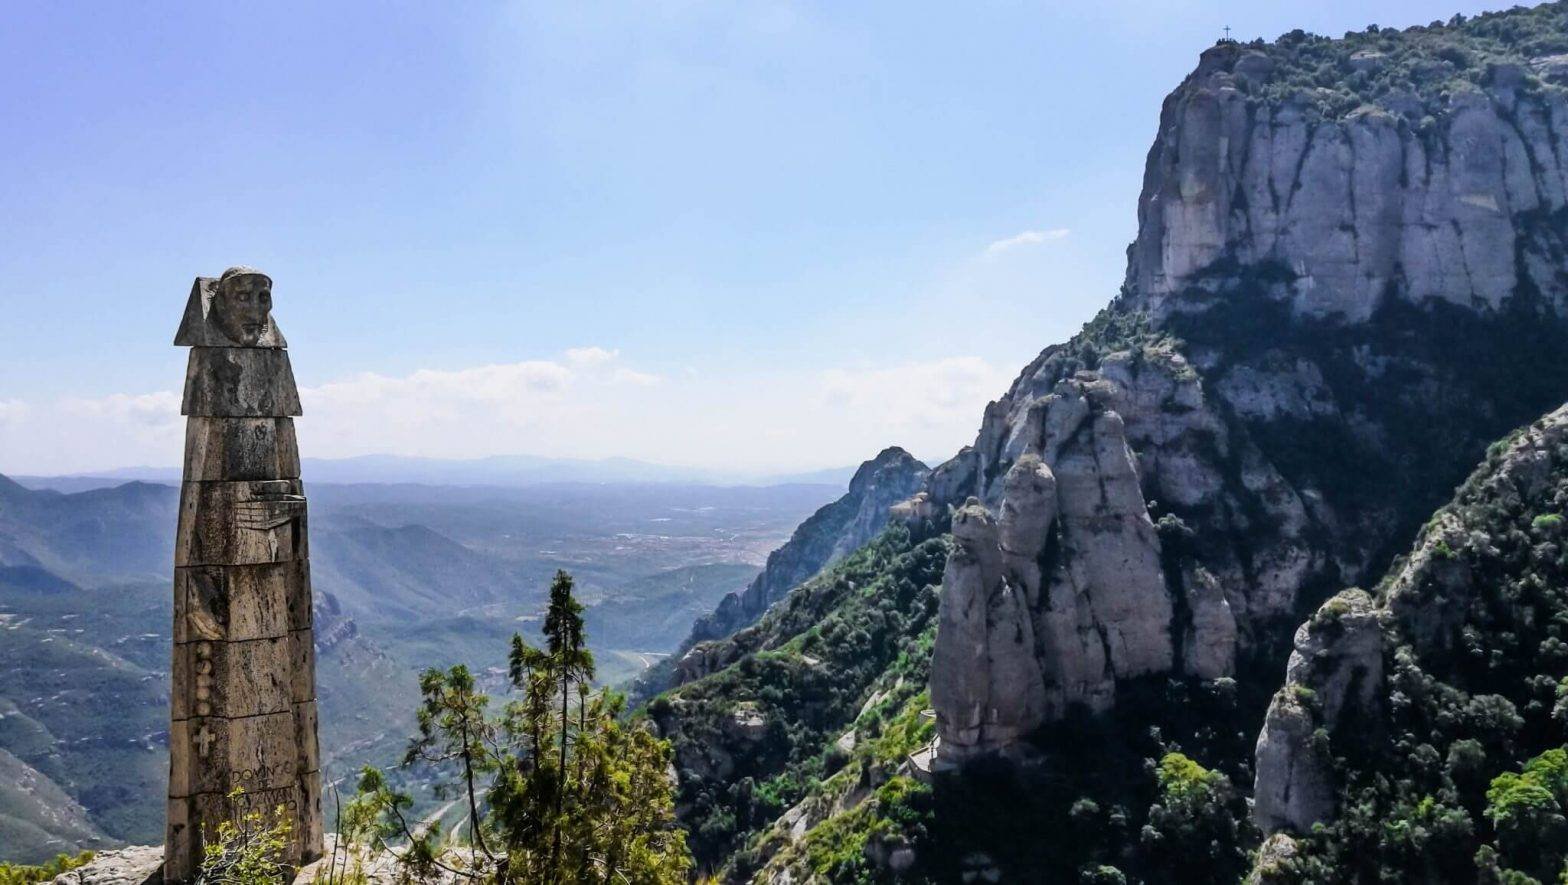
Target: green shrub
<point x="248" y="851"/>
<point x="22" y="874"/>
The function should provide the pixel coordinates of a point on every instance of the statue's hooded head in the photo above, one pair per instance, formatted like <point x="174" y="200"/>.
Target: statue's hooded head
<point x="242" y="305"/>
<point x="234" y="310"/>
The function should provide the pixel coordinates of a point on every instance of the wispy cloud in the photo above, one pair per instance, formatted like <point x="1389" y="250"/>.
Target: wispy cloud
<point x="1027" y="238"/>
<point x="586" y="402"/>
<point x="936" y="393"/>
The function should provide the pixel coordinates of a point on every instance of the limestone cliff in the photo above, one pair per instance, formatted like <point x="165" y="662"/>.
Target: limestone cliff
<point x="1339" y="649"/>
<point x="1349" y="279"/>
<point x="1351" y="274"/>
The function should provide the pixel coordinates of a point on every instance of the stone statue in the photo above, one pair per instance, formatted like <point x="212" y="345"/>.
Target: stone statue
<point x="243" y="702"/>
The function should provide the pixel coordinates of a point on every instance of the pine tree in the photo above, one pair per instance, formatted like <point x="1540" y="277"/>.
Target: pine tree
<point x="572" y="662"/>
<point x="453" y="726"/>
<point x="565" y="798"/>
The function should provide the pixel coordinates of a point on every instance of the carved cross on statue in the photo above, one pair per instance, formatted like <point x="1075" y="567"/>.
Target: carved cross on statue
<point x="204" y="741"/>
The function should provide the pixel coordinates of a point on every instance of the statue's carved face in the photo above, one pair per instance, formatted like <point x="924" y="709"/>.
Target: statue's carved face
<point x="241" y="306"/>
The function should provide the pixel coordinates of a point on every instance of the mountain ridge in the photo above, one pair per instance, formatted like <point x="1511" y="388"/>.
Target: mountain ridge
<point x="827" y="536"/>
<point x="1295" y="375"/>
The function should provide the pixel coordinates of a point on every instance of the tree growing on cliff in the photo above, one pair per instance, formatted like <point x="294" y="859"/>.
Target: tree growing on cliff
<point x="555" y="792"/>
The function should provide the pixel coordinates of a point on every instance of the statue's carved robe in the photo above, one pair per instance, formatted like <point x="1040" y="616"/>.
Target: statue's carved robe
<point x="243" y="700"/>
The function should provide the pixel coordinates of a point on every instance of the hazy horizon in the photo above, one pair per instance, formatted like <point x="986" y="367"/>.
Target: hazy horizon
<point x="499" y="470"/>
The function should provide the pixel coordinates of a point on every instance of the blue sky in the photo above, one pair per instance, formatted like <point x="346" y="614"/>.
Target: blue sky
<point x="750" y="236"/>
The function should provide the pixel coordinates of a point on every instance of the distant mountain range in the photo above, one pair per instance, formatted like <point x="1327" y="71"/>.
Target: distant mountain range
<point x="406" y="576"/>
<point x="501" y="470"/>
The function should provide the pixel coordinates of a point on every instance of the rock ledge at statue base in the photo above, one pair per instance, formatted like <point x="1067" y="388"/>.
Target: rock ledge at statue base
<point x="142" y="864"/>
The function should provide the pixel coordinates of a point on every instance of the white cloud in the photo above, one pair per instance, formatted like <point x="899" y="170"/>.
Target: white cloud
<point x="587" y="403"/>
<point x="12" y="410"/>
<point x="929" y="394"/>
<point x="1027" y="238"/>
<point x="590" y="356"/>
<point x="146" y="410"/>
<point x="79" y="433"/>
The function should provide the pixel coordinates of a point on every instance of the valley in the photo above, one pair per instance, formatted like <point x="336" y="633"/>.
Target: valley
<point x="1259" y="576"/>
<point x="406" y="577"/>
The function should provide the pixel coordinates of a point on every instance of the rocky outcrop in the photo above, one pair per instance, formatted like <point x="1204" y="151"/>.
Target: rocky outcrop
<point x="1335" y="669"/>
<point x="827" y="536"/>
<point x="135" y="865"/>
<point x="1335" y="687"/>
<point x="1405" y="196"/>
<point x="1276" y="851"/>
<point x="986" y="687"/>
<point x="1076" y="466"/>
<point x="1337" y="298"/>
<point x="143" y="865"/>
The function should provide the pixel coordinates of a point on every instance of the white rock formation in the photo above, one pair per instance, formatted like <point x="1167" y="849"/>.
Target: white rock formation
<point x="1356" y="210"/>
<point x="986" y="686"/>
<point x="1337" y="665"/>
<point x="1199" y="432"/>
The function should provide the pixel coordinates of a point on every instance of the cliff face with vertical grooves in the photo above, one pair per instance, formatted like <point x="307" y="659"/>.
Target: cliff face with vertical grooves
<point x="1350" y="278"/>
<point x="1337" y="297"/>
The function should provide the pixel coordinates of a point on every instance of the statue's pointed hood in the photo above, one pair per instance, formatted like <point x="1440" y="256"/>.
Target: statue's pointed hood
<point x="198" y="330"/>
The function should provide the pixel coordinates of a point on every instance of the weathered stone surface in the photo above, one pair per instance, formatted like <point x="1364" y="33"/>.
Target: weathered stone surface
<point x="240" y="448"/>
<point x="242" y="702"/>
<point x="241" y="523"/>
<point x="136" y="865"/>
<point x="1028" y="509"/>
<point x="1209" y="643"/>
<point x="242" y="602"/>
<point x="305" y="727"/>
<point x="1338" y="651"/>
<point x="915" y="509"/>
<point x="1112" y="552"/>
<point x="1079" y="578"/>
<point x="1354" y="210"/>
<point x="254" y="752"/>
<point x="302" y="654"/>
<point x="986" y="684"/>
<point x="233" y="678"/>
<point x="1276" y="851"/>
<point x="212" y="757"/>
<point x="215" y="318"/>
<point x="1085" y="554"/>
<point x="240" y="382"/>
<point x="1294" y="787"/>
<point x="300" y="600"/>
<point x="960" y="659"/>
